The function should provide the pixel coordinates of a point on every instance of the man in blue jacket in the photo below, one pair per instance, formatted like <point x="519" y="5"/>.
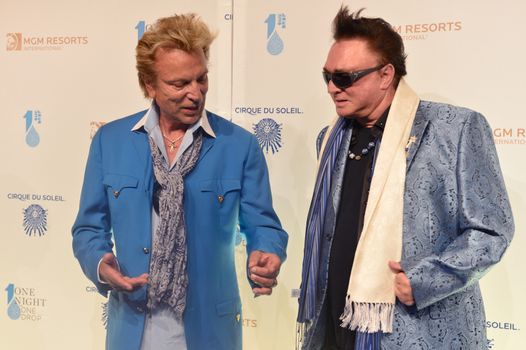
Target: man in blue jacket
<point x="168" y="187"/>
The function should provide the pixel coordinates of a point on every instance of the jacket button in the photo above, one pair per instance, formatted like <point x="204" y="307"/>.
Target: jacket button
<point x="146" y="250"/>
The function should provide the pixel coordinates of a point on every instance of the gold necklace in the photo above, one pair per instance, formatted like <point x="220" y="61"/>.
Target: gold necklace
<point x="172" y="142"/>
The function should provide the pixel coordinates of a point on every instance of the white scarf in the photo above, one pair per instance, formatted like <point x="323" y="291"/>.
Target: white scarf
<point x="371" y="298"/>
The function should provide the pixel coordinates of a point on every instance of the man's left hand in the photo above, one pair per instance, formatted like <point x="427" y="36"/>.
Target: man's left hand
<point x="403" y="289"/>
<point x="263" y="270"/>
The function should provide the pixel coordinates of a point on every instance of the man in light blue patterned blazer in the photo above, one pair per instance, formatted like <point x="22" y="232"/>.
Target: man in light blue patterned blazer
<point x="409" y="209"/>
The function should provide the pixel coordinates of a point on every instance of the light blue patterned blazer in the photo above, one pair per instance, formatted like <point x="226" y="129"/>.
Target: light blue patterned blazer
<point x="457" y="224"/>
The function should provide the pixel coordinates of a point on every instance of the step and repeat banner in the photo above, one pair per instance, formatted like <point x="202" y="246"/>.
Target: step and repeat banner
<point x="68" y="67"/>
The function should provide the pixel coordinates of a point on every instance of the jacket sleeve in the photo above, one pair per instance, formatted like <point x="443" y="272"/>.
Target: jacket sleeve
<point x="485" y="224"/>
<point x="92" y="228"/>
<point x="257" y="219"/>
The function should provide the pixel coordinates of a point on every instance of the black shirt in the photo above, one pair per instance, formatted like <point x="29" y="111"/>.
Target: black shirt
<point x="349" y="223"/>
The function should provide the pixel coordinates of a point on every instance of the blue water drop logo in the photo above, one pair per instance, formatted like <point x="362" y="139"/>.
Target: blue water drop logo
<point x="13" y="310"/>
<point x="274" y="22"/>
<point x="275" y="45"/>
<point x="32" y="137"/>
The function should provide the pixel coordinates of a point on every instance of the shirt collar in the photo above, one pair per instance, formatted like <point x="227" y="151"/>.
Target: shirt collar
<point x="151" y="119"/>
<point x="379" y="126"/>
<point x="380" y="123"/>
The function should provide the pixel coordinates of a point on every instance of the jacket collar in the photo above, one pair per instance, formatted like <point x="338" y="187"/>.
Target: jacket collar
<point x="151" y="120"/>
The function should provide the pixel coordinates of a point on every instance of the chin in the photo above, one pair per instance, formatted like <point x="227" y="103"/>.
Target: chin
<point x="343" y="112"/>
<point x="191" y="119"/>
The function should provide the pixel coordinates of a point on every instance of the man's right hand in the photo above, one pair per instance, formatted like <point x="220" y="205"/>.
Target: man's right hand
<point x="109" y="273"/>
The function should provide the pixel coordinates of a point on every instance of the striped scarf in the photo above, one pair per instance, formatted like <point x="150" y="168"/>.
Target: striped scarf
<point x="315" y="220"/>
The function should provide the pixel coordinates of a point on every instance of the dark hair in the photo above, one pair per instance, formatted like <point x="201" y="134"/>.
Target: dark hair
<point x="380" y="35"/>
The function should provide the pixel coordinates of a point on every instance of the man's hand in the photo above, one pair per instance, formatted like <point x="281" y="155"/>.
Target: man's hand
<point x="403" y="290"/>
<point x="109" y="273"/>
<point x="263" y="270"/>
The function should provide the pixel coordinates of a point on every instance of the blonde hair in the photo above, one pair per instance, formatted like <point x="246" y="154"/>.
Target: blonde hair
<point x="184" y="32"/>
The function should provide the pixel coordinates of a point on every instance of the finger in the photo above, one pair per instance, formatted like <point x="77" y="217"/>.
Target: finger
<point x="109" y="259"/>
<point x="395" y="266"/>
<point x="121" y="284"/>
<point x="266" y="272"/>
<point x="263" y="281"/>
<point x="403" y="290"/>
<point x="268" y="266"/>
<point x="110" y="275"/>
<point x="116" y="280"/>
<point x="402" y="280"/>
<point x="137" y="282"/>
<point x="262" y="291"/>
<point x="409" y="301"/>
<point x="253" y="259"/>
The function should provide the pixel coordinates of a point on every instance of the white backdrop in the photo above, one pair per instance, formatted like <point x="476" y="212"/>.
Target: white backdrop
<point x="68" y="66"/>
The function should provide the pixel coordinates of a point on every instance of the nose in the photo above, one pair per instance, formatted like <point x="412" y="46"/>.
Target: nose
<point x="195" y="91"/>
<point x="331" y="88"/>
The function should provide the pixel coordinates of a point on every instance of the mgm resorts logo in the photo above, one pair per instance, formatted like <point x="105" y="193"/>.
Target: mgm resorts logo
<point x="268" y="134"/>
<point x="509" y="136"/>
<point x="22" y="42"/>
<point x="24" y="303"/>
<point x="420" y="31"/>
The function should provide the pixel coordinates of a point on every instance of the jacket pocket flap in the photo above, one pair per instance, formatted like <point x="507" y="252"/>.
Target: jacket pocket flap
<point x="220" y="186"/>
<point x="228" y="307"/>
<point x="119" y="182"/>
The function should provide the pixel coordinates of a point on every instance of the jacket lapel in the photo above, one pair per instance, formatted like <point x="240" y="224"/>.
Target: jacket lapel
<point x="141" y="145"/>
<point x="140" y="142"/>
<point x="399" y="123"/>
<point x="208" y="142"/>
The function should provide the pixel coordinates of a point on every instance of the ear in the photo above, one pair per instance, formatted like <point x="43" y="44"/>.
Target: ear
<point x="388" y="74"/>
<point x="150" y="88"/>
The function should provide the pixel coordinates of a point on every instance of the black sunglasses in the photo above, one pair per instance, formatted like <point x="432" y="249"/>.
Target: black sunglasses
<point x="342" y="80"/>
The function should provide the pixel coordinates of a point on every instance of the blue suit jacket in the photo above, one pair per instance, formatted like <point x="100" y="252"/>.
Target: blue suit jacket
<point x="117" y="199"/>
<point x="457" y="224"/>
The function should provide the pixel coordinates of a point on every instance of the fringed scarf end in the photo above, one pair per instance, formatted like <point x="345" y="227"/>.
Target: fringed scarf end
<point x="368" y="317"/>
<point x="300" y="333"/>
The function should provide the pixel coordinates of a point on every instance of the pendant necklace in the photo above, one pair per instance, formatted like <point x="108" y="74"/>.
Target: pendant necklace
<point x="172" y="142"/>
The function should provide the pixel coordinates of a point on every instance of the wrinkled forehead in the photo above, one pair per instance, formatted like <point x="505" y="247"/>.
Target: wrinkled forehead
<point x="350" y="54"/>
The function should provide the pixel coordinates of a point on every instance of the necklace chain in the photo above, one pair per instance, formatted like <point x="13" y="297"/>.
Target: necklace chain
<point x="172" y="142"/>
<point x="364" y="152"/>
